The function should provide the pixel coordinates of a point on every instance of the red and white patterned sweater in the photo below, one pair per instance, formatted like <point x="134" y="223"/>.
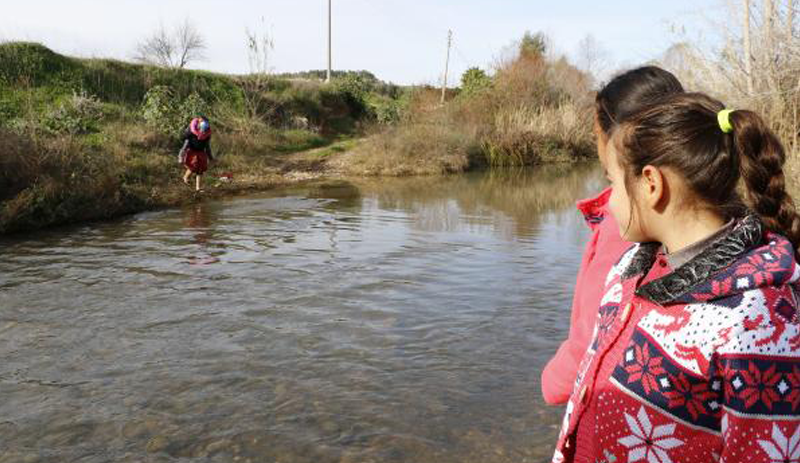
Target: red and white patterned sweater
<point x="699" y="364"/>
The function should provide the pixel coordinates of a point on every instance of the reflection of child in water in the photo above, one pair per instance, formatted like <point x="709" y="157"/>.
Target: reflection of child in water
<point x="196" y="150"/>
<point x="200" y="221"/>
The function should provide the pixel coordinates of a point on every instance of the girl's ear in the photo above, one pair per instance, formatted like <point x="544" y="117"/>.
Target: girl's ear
<point x="653" y="186"/>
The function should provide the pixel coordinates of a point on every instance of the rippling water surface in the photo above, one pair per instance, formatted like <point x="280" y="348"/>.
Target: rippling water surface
<point x="369" y="321"/>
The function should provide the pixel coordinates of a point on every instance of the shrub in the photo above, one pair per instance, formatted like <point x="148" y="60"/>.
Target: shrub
<point x="193" y="106"/>
<point x="531" y="111"/>
<point x="158" y="108"/>
<point x="31" y="64"/>
<point x="81" y="113"/>
<point x="474" y="80"/>
<point x="167" y="114"/>
<point x="10" y="106"/>
<point x="385" y="110"/>
<point x="354" y="88"/>
<point x="526" y="135"/>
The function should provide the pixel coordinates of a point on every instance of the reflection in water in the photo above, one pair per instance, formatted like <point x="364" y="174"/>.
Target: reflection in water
<point x="368" y="321"/>
<point x="518" y="198"/>
<point x="198" y="220"/>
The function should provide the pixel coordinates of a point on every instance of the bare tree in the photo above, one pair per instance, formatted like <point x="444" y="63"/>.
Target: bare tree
<point x="758" y="67"/>
<point x="592" y="57"/>
<point x="172" y="49"/>
<point x="191" y="44"/>
<point x="157" y="49"/>
<point x="260" y="45"/>
<point x="748" y="50"/>
<point x="259" y="49"/>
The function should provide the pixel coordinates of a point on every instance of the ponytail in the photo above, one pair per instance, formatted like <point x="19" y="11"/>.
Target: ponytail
<point x="713" y="148"/>
<point x="762" y="158"/>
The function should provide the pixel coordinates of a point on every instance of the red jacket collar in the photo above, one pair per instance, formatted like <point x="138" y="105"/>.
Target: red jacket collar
<point x="594" y="209"/>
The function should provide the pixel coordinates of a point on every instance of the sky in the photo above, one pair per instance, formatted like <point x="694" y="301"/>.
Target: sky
<point x="402" y="41"/>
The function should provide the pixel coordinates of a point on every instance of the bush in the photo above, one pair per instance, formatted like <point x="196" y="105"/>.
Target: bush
<point x="527" y="135"/>
<point x="385" y="110"/>
<point x="10" y="106"/>
<point x="533" y="110"/>
<point x="354" y="88"/>
<point x="158" y="108"/>
<point x="193" y="106"/>
<point x="80" y="114"/>
<point x="474" y="80"/>
<point x="166" y="114"/>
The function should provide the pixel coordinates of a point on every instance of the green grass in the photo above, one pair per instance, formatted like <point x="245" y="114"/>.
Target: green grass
<point x="50" y="76"/>
<point x="75" y="144"/>
<point x="338" y="147"/>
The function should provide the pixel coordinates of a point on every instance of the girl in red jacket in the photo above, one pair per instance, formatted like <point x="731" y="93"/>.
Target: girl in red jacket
<point x="696" y="349"/>
<point x="621" y="97"/>
<point x="196" y="150"/>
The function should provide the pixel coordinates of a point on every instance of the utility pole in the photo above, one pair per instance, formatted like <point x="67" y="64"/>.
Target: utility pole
<point x="748" y="51"/>
<point x="330" y="53"/>
<point x="446" y="64"/>
<point x="772" y="48"/>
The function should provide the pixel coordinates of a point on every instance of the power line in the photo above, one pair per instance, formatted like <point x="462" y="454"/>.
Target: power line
<point x="466" y="61"/>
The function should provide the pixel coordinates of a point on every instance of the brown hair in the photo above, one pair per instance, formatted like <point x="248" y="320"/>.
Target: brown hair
<point x="682" y="132"/>
<point x="630" y="91"/>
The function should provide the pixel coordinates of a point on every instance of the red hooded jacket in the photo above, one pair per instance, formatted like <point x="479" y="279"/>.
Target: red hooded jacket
<point x="695" y="364"/>
<point x="602" y="251"/>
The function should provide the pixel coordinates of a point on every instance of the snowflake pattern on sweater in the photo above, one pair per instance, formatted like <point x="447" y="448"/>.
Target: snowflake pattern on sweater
<point x="710" y="372"/>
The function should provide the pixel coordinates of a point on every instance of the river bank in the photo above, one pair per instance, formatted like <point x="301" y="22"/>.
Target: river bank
<point x="89" y="139"/>
<point x="74" y="183"/>
<point x="126" y="183"/>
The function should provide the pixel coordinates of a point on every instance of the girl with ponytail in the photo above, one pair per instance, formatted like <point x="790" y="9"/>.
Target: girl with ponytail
<point x="618" y="100"/>
<point x="696" y="352"/>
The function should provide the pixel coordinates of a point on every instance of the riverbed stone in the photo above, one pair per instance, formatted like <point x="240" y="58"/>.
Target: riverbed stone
<point x="157" y="444"/>
<point x="218" y="446"/>
<point x="134" y="430"/>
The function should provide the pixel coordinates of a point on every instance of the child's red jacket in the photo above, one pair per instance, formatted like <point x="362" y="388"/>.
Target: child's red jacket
<point x="692" y="365"/>
<point x="602" y="251"/>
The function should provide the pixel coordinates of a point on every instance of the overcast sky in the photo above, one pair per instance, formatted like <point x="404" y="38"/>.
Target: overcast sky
<point x="403" y="41"/>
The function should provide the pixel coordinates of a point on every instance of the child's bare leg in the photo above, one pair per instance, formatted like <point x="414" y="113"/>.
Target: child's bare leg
<point x="197" y="184"/>
<point x="186" y="176"/>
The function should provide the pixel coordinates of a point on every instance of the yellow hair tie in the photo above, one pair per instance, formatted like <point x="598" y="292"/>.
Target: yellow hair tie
<point x="724" y="119"/>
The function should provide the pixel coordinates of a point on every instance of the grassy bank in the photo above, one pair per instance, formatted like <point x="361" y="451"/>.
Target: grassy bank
<point x="532" y="110"/>
<point x="84" y="139"/>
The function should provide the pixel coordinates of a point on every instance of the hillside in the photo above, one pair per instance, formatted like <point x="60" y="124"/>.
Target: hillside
<point x="93" y="138"/>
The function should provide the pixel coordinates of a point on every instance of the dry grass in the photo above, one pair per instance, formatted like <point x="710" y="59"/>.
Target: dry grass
<point x="533" y="135"/>
<point x="535" y="112"/>
<point x="47" y="181"/>
<point x="411" y="149"/>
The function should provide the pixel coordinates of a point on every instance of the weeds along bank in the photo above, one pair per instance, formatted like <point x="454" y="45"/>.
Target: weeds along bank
<point x="84" y="139"/>
<point x="532" y="110"/>
<point x="87" y="138"/>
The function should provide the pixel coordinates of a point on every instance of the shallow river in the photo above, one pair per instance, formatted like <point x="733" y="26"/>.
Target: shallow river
<point x="369" y="321"/>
